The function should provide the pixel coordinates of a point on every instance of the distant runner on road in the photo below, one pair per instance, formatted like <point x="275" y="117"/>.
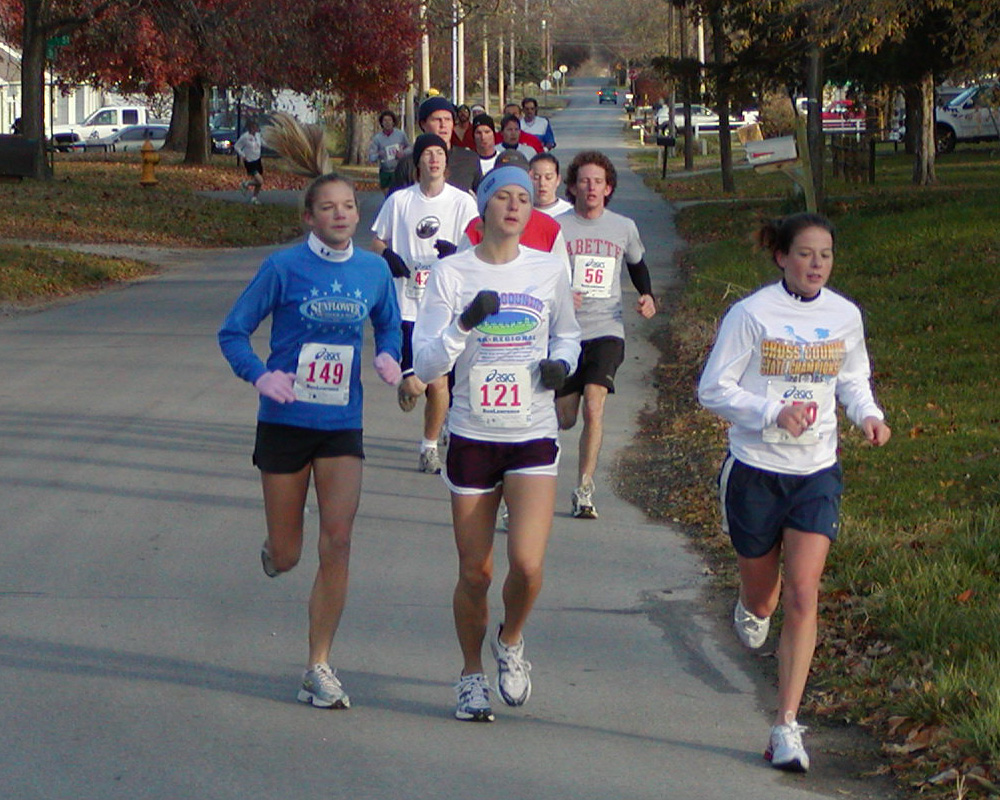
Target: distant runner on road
<point x="309" y="424"/>
<point x="501" y="316"/>
<point x="600" y="242"/>
<point x="783" y="358"/>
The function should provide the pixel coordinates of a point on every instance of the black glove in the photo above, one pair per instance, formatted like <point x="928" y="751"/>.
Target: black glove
<point x="396" y="264"/>
<point x="553" y="373"/>
<point x="445" y="248"/>
<point x="486" y="302"/>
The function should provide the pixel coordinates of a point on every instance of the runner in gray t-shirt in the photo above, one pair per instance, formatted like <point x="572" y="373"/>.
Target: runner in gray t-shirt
<point x="599" y="243"/>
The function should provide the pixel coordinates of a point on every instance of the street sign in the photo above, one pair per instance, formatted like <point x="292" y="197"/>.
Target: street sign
<point x="52" y="45"/>
<point x="557" y="76"/>
<point x="563" y="69"/>
<point x="545" y="85"/>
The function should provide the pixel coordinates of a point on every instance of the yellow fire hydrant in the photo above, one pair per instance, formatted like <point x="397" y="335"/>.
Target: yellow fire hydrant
<point x="150" y="158"/>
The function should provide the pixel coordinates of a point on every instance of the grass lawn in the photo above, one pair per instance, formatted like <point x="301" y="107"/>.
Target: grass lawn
<point x="910" y="613"/>
<point x="96" y="198"/>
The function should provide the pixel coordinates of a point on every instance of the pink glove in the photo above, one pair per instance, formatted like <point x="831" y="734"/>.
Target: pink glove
<point x="388" y="369"/>
<point x="277" y="386"/>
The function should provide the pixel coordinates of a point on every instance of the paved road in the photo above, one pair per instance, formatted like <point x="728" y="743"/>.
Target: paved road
<point x="144" y="655"/>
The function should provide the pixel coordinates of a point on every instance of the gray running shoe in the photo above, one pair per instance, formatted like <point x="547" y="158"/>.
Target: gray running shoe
<point x="407" y="401"/>
<point x="473" y="693"/>
<point x="321" y="688"/>
<point x="265" y="561"/>
<point x="503" y="517"/>
<point x="751" y="629"/>
<point x="513" y="680"/>
<point x="583" y="502"/>
<point x="430" y="462"/>
<point x="785" y="750"/>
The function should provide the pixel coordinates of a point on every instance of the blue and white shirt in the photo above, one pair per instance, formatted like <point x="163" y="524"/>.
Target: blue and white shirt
<point x="318" y="300"/>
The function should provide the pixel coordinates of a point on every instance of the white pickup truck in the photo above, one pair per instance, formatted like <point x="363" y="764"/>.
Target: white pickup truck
<point x="103" y="122"/>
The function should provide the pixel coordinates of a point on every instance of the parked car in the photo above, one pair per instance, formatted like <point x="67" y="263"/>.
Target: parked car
<point x="607" y="94"/>
<point x="133" y="137"/>
<point x="223" y="140"/>
<point x="701" y="117"/>
<point x="104" y="122"/>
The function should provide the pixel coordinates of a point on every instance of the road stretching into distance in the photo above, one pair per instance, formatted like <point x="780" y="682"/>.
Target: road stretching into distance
<point x="143" y="654"/>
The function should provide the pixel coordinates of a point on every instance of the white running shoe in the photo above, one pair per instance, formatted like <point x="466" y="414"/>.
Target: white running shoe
<point x="785" y="750"/>
<point x="473" y="698"/>
<point x="513" y="680"/>
<point x="583" y="502"/>
<point x="321" y="688"/>
<point x="430" y="462"/>
<point x="751" y="629"/>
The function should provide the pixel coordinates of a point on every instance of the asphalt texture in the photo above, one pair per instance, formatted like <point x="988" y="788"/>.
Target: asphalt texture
<point x="143" y="654"/>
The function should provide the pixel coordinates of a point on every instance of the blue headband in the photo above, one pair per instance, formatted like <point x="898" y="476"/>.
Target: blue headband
<point x="496" y="179"/>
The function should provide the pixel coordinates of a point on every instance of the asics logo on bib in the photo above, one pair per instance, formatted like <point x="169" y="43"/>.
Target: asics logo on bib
<point x="501" y="377"/>
<point x="796" y="393"/>
<point x="326" y="355"/>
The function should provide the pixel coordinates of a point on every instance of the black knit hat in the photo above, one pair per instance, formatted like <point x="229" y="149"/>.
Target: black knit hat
<point x="432" y="104"/>
<point x="425" y="140"/>
<point x="484" y="119"/>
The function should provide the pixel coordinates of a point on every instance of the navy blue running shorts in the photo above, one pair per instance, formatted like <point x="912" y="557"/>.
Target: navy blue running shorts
<point x="757" y="505"/>
<point x="406" y="351"/>
<point x="478" y="467"/>
<point x="285" y="449"/>
<point x="599" y="362"/>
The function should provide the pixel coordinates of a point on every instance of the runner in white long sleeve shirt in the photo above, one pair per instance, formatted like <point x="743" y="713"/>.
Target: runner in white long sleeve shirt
<point x="783" y="358"/>
<point x="502" y="317"/>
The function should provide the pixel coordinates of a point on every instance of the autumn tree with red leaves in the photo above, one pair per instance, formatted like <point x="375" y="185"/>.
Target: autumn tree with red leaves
<point x="357" y="50"/>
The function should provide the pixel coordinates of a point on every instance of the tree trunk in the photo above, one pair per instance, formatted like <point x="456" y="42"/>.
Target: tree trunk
<point x="688" y="131"/>
<point x="197" y="140"/>
<point x="177" y="136"/>
<point x="33" y="85"/>
<point x="359" y="128"/>
<point x="722" y="93"/>
<point x="923" y="162"/>
<point x="814" y="121"/>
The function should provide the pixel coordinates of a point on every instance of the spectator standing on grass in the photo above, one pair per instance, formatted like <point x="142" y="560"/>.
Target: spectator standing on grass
<point x="501" y="317"/>
<point x="319" y="295"/>
<point x="600" y="244"/>
<point x="388" y="144"/>
<point x="782" y="359"/>
<point x="248" y="147"/>
<point x="536" y="125"/>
